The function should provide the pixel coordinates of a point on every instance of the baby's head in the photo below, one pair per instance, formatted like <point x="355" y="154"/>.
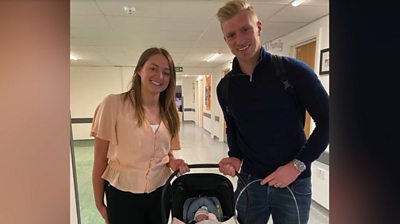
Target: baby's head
<point x="201" y="214"/>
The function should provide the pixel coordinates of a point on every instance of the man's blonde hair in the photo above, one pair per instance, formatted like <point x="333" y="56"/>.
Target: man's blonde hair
<point x="233" y="7"/>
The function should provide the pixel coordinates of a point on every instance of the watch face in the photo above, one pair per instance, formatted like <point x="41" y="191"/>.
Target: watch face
<point x="299" y="165"/>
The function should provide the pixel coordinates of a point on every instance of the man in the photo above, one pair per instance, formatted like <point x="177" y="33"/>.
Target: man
<point x="265" y="135"/>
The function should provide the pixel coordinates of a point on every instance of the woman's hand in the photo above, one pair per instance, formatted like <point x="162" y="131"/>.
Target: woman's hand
<point x="180" y="164"/>
<point x="103" y="212"/>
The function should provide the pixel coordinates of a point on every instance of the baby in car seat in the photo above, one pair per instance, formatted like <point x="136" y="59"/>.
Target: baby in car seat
<point x="202" y="216"/>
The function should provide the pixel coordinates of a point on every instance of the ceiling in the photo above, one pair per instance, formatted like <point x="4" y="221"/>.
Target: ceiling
<point x="103" y="34"/>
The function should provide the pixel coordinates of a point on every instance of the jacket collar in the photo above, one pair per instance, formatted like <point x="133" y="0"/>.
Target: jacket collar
<point x="264" y="55"/>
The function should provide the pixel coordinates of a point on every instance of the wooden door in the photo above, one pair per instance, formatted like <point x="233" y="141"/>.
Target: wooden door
<point x="306" y="53"/>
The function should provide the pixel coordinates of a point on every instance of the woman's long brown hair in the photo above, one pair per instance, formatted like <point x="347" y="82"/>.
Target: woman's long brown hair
<point x="168" y="110"/>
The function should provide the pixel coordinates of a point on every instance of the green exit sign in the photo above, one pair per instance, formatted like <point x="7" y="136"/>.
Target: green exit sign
<point x="179" y="69"/>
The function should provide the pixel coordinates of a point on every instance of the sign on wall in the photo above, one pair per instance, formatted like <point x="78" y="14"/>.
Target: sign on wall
<point x="179" y="69"/>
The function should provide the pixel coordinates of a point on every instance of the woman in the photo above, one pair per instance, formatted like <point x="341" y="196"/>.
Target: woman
<point x="135" y="133"/>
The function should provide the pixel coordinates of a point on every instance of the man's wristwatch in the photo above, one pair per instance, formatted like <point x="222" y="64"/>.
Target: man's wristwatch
<point x="299" y="165"/>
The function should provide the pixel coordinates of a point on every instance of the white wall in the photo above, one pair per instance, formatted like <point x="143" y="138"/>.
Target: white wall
<point x="218" y="126"/>
<point x="89" y="86"/>
<point x="207" y="123"/>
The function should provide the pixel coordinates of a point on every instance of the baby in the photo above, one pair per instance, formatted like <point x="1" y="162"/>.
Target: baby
<point x="202" y="216"/>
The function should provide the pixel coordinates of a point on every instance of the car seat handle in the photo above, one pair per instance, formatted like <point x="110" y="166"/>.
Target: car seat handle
<point x="204" y="165"/>
<point x="207" y="165"/>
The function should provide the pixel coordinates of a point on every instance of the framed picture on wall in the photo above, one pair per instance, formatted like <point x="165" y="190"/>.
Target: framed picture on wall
<point x="207" y="92"/>
<point x="324" y="62"/>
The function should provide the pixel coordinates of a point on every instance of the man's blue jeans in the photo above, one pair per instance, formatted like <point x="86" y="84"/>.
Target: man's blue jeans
<point x="264" y="201"/>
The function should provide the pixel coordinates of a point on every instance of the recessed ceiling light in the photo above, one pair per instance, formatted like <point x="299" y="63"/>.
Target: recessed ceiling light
<point x="296" y="3"/>
<point x="130" y="10"/>
<point x="212" y="57"/>
<point x="73" y="57"/>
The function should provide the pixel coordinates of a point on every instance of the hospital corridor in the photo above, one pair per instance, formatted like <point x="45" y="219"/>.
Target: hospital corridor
<point x="107" y="39"/>
<point x="197" y="147"/>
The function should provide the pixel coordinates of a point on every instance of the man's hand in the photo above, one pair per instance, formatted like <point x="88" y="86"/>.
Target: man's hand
<point x="229" y="165"/>
<point x="282" y="177"/>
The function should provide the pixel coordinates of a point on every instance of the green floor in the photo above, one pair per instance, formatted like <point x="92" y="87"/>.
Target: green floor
<point x="84" y="162"/>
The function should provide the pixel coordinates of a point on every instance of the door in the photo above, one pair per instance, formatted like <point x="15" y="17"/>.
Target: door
<point x="306" y="53"/>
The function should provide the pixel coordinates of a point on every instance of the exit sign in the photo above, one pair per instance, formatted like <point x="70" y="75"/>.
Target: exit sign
<point x="179" y="69"/>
